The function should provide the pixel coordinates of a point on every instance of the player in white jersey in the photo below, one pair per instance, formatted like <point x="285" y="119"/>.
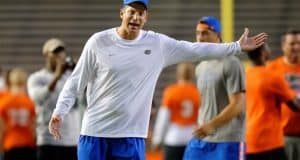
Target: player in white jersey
<point x="120" y="67"/>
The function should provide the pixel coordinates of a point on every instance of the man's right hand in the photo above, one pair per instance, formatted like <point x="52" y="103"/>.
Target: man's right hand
<point x="59" y="71"/>
<point x="60" y="68"/>
<point x="54" y="126"/>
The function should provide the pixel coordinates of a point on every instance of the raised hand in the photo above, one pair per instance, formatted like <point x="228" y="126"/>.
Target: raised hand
<point x="60" y="67"/>
<point x="251" y="43"/>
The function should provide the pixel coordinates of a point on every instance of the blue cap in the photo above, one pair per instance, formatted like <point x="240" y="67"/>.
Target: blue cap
<point x="144" y="2"/>
<point x="213" y="23"/>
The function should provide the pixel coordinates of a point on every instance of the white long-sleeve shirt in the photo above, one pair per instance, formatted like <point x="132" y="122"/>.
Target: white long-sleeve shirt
<point x="121" y="75"/>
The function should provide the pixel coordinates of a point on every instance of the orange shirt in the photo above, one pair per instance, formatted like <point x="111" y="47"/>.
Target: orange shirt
<point x="18" y="114"/>
<point x="265" y="92"/>
<point x="183" y="101"/>
<point x="290" y="119"/>
<point x="156" y="155"/>
<point x="3" y="93"/>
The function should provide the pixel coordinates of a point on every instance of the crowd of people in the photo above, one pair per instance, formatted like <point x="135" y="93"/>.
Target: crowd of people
<point x="99" y="109"/>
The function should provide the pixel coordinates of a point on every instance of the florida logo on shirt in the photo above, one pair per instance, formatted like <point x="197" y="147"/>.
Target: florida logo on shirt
<point x="147" y="51"/>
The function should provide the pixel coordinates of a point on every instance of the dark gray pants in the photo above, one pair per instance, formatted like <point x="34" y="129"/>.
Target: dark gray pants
<point x="173" y="152"/>
<point x="49" y="152"/>
<point x="292" y="147"/>
<point x="274" y="154"/>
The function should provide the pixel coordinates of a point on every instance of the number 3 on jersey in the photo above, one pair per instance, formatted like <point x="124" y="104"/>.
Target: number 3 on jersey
<point x="187" y="109"/>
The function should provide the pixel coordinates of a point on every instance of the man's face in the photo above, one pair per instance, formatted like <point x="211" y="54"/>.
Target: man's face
<point x="133" y="16"/>
<point x="291" y="48"/>
<point x="207" y="35"/>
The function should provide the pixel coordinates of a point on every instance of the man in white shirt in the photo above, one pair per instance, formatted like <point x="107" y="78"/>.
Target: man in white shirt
<point x="44" y="87"/>
<point x="120" y="67"/>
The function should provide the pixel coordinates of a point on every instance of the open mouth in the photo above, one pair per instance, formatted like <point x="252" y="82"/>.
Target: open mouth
<point x="134" y="25"/>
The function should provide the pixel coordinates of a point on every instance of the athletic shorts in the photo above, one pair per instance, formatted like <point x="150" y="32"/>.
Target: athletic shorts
<point x="96" y="148"/>
<point x="198" y="149"/>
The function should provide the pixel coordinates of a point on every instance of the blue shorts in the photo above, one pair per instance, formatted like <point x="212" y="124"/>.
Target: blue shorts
<point x="96" y="148"/>
<point x="198" y="149"/>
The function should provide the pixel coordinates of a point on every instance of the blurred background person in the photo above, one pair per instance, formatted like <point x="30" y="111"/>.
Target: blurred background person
<point x="220" y="131"/>
<point x="2" y="80"/>
<point x="17" y="119"/>
<point x="44" y="87"/>
<point x="3" y="88"/>
<point x="177" y="115"/>
<point x="288" y="66"/>
<point x="266" y="90"/>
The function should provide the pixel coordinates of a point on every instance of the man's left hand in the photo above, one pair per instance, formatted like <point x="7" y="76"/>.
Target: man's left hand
<point x="251" y="43"/>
